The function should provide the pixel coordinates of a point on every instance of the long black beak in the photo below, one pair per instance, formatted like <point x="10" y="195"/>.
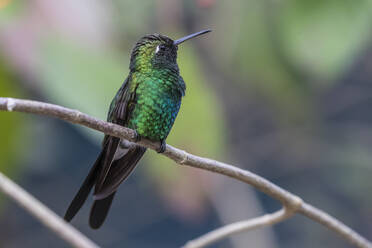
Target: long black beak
<point x="179" y="41"/>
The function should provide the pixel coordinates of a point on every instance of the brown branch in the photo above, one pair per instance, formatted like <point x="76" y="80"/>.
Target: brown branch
<point x="238" y="227"/>
<point x="44" y="214"/>
<point x="292" y="203"/>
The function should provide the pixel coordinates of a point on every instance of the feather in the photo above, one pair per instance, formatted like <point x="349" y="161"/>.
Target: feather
<point x="85" y="188"/>
<point x="119" y="171"/>
<point x="113" y="143"/>
<point x="99" y="211"/>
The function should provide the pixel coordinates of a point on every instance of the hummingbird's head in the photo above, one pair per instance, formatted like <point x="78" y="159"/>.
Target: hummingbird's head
<point x="157" y="51"/>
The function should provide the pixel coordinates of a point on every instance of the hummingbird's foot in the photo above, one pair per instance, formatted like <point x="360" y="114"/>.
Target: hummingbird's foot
<point x="137" y="137"/>
<point x="162" y="147"/>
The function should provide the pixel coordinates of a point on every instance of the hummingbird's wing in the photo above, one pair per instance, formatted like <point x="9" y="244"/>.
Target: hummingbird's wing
<point x="119" y="171"/>
<point x="113" y="165"/>
<point x="112" y="174"/>
<point x="118" y="114"/>
<point x="102" y="165"/>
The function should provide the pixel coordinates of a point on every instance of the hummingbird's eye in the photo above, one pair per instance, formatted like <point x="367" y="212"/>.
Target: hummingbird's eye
<point x="159" y="48"/>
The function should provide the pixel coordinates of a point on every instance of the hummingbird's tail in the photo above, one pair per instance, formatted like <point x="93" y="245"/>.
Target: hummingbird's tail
<point x="84" y="190"/>
<point x="104" y="193"/>
<point x="99" y="211"/>
<point x="106" y="175"/>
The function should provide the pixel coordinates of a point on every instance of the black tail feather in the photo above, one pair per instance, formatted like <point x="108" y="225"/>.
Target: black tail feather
<point x="106" y="175"/>
<point x="84" y="190"/>
<point x="99" y="211"/>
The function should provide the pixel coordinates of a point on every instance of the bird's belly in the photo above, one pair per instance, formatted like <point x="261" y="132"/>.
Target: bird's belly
<point x="153" y="116"/>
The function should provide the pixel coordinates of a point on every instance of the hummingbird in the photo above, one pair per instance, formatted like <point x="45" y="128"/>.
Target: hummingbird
<point x="147" y="102"/>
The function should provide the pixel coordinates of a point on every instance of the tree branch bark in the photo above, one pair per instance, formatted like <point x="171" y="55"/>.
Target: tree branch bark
<point x="238" y="227"/>
<point x="292" y="203"/>
<point x="44" y="214"/>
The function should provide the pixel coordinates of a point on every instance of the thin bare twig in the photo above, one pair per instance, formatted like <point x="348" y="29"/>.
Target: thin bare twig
<point x="238" y="227"/>
<point x="44" y="214"/>
<point x="290" y="201"/>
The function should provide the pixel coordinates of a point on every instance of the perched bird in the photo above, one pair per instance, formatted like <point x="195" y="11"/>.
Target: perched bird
<point x="148" y="102"/>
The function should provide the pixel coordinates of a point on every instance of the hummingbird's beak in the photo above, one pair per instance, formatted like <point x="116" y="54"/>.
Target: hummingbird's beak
<point x="179" y="41"/>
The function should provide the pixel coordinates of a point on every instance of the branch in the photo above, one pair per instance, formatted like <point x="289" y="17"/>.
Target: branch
<point x="292" y="203"/>
<point x="238" y="227"/>
<point x="44" y="214"/>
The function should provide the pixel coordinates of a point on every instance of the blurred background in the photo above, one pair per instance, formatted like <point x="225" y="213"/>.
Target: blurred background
<point x="281" y="88"/>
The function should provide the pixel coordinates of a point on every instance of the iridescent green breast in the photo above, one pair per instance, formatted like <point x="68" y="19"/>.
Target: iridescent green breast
<point x="158" y="99"/>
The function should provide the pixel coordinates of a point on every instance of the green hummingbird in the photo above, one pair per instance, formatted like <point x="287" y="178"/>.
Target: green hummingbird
<point x="147" y="102"/>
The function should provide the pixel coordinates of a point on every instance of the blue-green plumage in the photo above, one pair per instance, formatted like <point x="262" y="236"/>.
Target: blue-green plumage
<point x="157" y="105"/>
<point x="148" y="102"/>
